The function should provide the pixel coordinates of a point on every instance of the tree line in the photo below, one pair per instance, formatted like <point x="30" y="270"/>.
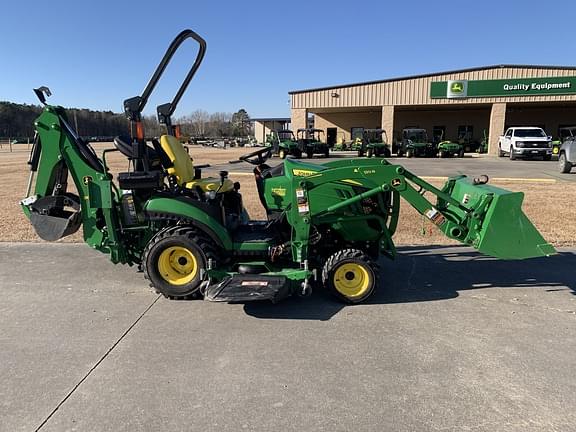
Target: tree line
<point x="17" y="121"/>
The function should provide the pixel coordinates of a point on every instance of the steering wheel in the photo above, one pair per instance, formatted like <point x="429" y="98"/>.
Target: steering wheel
<point x="258" y="157"/>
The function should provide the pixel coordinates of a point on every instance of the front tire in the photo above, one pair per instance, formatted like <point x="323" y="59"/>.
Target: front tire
<point x="282" y="154"/>
<point x="512" y="155"/>
<point x="563" y="164"/>
<point x="350" y="275"/>
<point x="175" y="259"/>
<point x="409" y="153"/>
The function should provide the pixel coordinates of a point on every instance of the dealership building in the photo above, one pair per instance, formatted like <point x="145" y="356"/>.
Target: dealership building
<point x="457" y="104"/>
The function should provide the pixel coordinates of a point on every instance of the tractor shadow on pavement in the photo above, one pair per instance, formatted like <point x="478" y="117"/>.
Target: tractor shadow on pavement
<point x="428" y="273"/>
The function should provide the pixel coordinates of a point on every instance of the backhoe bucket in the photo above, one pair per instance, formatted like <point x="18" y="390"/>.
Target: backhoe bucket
<point x="503" y="231"/>
<point x="55" y="217"/>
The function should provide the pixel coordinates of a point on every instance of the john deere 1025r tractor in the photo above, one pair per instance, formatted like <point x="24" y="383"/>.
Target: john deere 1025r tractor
<point x="327" y="225"/>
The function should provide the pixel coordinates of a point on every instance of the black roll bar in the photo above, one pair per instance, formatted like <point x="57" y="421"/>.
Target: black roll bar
<point x="134" y="106"/>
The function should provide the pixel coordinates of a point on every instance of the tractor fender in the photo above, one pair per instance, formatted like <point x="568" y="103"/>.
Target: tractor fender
<point x="170" y="208"/>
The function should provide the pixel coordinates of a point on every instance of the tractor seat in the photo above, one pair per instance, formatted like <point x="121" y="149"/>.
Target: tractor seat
<point x="183" y="168"/>
<point x="124" y="144"/>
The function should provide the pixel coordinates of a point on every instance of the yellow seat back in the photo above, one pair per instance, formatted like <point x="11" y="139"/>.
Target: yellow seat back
<point x="183" y="167"/>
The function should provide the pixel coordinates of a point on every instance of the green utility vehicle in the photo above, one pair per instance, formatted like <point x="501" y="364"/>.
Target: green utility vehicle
<point x="284" y="143"/>
<point x="447" y="148"/>
<point x="374" y="143"/>
<point x="310" y="142"/>
<point x="415" y="143"/>
<point x="327" y="224"/>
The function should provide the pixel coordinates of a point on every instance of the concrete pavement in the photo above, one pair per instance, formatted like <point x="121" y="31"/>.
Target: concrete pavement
<point x="455" y="341"/>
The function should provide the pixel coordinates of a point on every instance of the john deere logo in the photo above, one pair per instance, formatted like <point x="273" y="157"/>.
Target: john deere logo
<point x="457" y="89"/>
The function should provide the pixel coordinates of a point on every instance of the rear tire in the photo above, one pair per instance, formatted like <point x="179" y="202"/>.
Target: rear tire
<point x="370" y="153"/>
<point x="461" y="153"/>
<point x="350" y="275"/>
<point x="310" y="154"/>
<point x="500" y="152"/>
<point x="563" y="164"/>
<point x="297" y="153"/>
<point x="175" y="259"/>
<point x="327" y="152"/>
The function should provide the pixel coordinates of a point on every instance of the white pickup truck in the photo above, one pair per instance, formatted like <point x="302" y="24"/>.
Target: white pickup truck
<point x="525" y="142"/>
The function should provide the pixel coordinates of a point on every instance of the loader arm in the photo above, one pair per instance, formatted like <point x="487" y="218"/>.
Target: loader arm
<point x="485" y="217"/>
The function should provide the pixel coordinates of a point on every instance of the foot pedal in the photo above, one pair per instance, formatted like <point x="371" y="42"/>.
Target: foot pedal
<point x="249" y="287"/>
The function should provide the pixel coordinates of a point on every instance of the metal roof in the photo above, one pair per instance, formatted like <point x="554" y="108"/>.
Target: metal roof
<point x="500" y="66"/>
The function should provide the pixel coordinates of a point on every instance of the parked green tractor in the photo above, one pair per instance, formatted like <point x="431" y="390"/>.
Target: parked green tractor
<point x="284" y="143"/>
<point x="327" y="224"/>
<point x="415" y="143"/>
<point x="310" y="142"/>
<point x="374" y="143"/>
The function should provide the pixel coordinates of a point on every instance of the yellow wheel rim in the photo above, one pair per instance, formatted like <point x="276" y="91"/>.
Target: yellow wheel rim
<point x="352" y="280"/>
<point x="555" y="150"/>
<point x="282" y="153"/>
<point x="177" y="265"/>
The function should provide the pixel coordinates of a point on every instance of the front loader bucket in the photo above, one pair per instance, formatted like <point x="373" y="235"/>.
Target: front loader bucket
<point x="502" y="230"/>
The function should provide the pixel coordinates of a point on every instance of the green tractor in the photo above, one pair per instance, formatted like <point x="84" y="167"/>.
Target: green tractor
<point x="284" y="143"/>
<point x="310" y="142"/>
<point x="327" y="224"/>
<point x="374" y="143"/>
<point x="415" y="143"/>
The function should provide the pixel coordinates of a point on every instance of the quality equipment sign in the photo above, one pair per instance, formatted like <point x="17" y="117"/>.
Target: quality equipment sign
<point x="502" y="87"/>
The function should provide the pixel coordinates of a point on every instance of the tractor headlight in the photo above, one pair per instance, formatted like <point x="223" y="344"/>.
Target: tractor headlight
<point x="211" y="195"/>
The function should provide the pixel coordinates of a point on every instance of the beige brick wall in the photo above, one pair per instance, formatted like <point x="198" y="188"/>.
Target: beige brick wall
<point x="497" y="122"/>
<point x="387" y="122"/>
<point x="298" y="119"/>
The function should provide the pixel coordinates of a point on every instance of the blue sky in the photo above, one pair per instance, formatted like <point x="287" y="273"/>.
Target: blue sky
<point x="94" y="54"/>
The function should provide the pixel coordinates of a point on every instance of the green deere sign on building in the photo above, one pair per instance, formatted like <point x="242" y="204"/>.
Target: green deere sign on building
<point x="502" y="87"/>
